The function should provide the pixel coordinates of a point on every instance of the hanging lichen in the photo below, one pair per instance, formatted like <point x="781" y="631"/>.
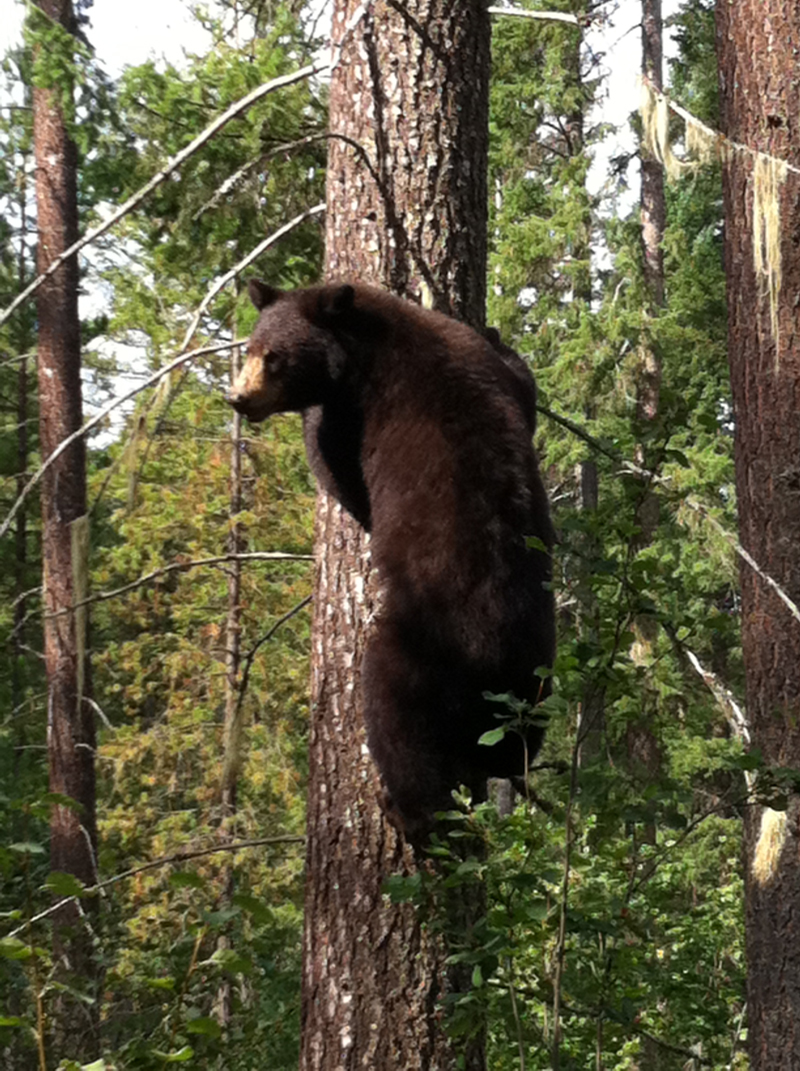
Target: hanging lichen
<point x="771" y="841"/>
<point x="769" y="175"/>
<point x="704" y="145"/>
<point x="654" y="111"/>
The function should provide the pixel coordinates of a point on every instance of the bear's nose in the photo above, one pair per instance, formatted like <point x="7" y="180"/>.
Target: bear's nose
<point x="234" y="398"/>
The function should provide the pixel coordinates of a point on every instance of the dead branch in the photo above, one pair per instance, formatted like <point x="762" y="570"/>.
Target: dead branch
<point x="164" y="860"/>
<point x="99" y="417"/>
<point x="181" y="567"/>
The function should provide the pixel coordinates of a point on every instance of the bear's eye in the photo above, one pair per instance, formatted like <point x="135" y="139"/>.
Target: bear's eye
<point x="275" y="360"/>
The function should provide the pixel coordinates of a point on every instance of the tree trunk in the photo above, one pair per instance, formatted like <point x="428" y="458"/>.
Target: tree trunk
<point x="23" y="342"/>
<point x="406" y="210"/>
<point x="760" y="107"/>
<point x="70" y="720"/>
<point x="653" y="204"/>
<point x="233" y="726"/>
<point x="644" y="754"/>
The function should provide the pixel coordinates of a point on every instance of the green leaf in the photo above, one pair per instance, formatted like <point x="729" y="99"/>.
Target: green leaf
<point x="186" y="879"/>
<point x="13" y="948"/>
<point x="161" y="983"/>
<point x="27" y="847"/>
<point x="253" y="906"/>
<point x="494" y="736"/>
<point x="179" y="1057"/>
<point x="477" y="976"/>
<point x="11" y="1020"/>
<point x="534" y="543"/>
<point x="205" y="1026"/>
<point x="62" y="884"/>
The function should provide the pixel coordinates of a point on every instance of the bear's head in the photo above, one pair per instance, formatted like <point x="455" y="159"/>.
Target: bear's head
<point x="293" y="356"/>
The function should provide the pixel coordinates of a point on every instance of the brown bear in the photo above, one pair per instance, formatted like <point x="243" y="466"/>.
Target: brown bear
<point x="421" y="428"/>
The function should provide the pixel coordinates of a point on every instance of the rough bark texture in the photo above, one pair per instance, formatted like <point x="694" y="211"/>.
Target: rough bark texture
<point x="757" y="42"/>
<point x="233" y="725"/>
<point x="70" y="722"/>
<point x="653" y="205"/>
<point x="407" y="210"/>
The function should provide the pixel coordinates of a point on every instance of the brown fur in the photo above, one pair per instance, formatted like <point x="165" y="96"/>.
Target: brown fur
<point x="422" y="429"/>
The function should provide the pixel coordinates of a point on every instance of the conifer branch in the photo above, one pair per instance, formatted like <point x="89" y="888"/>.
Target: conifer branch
<point x="100" y="417"/>
<point x="698" y="507"/>
<point x="176" y="161"/>
<point x="245" y="262"/>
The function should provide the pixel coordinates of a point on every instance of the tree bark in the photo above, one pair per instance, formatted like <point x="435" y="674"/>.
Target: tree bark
<point x="760" y="107"/>
<point x="23" y="342"/>
<point x="653" y="204"/>
<point x="407" y="210"/>
<point x="233" y="725"/>
<point x="70" y="720"/>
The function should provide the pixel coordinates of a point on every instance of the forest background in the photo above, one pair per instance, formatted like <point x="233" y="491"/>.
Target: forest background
<point x="201" y="956"/>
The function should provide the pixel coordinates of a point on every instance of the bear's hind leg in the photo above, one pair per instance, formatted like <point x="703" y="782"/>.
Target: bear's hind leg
<point x="401" y="708"/>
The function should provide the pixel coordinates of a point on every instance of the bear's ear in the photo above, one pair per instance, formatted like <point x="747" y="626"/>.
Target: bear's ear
<point x="339" y="300"/>
<point x="492" y="335"/>
<point x="262" y="295"/>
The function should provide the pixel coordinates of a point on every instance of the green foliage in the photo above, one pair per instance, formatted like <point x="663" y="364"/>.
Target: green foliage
<point x="639" y="823"/>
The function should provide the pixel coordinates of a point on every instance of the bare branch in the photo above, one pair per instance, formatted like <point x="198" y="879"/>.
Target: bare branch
<point x="551" y="16"/>
<point x="176" y="161"/>
<point x="100" y="417"/>
<point x="254" y="254"/>
<point x="164" y="860"/>
<point x="251" y="654"/>
<point x="688" y="499"/>
<point x="181" y="567"/>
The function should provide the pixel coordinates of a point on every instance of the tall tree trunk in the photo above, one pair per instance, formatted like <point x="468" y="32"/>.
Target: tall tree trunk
<point x="232" y="730"/>
<point x="70" y="720"/>
<point x="760" y="106"/>
<point x="408" y="211"/>
<point x="653" y="204"/>
<point x="644" y="754"/>
<point x="233" y="724"/>
<point x="23" y="341"/>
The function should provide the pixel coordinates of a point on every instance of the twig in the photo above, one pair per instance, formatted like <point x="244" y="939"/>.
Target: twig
<point x="515" y="1013"/>
<point x="562" y="917"/>
<point x="637" y="470"/>
<point x="552" y="16"/>
<point x="99" y="417"/>
<point x="607" y="1013"/>
<point x="251" y="654"/>
<point x="178" y="567"/>
<point x="176" y="161"/>
<point x="164" y="860"/>
<point x="262" y="247"/>
<point x="736" y="1037"/>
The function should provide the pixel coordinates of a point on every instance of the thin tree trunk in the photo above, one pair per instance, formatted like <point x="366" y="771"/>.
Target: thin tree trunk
<point x="233" y="725"/>
<point x="591" y="722"/>
<point x="643" y="750"/>
<point x="70" y="720"/>
<point x="412" y="90"/>
<point x="760" y="107"/>
<point x="23" y="340"/>
<point x="653" y="204"/>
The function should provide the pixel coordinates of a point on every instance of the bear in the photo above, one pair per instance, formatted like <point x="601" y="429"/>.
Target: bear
<point x="421" y="428"/>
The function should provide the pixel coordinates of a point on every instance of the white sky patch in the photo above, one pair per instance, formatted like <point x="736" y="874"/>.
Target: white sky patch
<point x="621" y="45"/>
<point x="125" y="34"/>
